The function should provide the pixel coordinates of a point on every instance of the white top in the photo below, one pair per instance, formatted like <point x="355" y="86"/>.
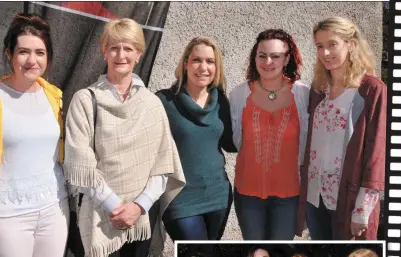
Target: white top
<point x="238" y="97"/>
<point x="326" y="153"/>
<point x="31" y="178"/>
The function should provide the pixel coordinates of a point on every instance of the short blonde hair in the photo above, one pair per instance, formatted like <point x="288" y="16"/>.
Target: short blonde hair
<point x="219" y="80"/>
<point x="363" y="60"/>
<point x="123" y="30"/>
<point x="363" y="253"/>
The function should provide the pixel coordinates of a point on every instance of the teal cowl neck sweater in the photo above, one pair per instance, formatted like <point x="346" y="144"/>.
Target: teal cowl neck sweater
<point x="200" y="135"/>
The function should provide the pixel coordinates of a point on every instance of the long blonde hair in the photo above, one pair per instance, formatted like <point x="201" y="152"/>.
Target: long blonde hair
<point x="362" y="61"/>
<point x="219" y="80"/>
<point x="363" y="253"/>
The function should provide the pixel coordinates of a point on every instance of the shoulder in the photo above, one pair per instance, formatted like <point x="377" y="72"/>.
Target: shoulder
<point x="300" y="85"/>
<point x="165" y="95"/>
<point x="240" y="89"/>
<point x="52" y="89"/>
<point x="81" y="98"/>
<point x="371" y="85"/>
<point x="301" y="89"/>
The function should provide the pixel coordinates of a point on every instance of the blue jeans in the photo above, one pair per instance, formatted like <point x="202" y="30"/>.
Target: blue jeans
<point x="273" y="218"/>
<point x="320" y="221"/>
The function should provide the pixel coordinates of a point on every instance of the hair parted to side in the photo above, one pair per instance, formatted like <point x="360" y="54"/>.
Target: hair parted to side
<point x="219" y="80"/>
<point x="294" y="65"/>
<point x="252" y="251"/>
<point x="363" y="253"/>
<point x="127" y="30"/>
<point x="363" y="60"/>
<point x="28" y="24"/>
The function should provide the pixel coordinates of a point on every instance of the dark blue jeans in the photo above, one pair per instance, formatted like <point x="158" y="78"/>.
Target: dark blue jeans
<point x="320" y="221"/>
<point x="273" y="218"/>
<point x="207" y="226"/>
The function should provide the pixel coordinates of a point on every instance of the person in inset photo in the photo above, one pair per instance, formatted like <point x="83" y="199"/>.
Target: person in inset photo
<point x="258" y="252"/>
<point x="270" y="122"/>
<point x="344" y="166"/>
<point x="363" y="253"/>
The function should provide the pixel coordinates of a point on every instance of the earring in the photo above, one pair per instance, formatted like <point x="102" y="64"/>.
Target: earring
<point x="351" y="57"/>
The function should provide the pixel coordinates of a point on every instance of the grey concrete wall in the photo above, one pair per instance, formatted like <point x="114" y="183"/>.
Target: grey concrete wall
<point x="235" y="25"/>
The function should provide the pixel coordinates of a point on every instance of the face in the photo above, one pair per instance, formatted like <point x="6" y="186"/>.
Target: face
<point x="29" y="60"/>
<point x="201" y="66"/>
<point x="332" y="50"/>
<point x="271" y="58"/>
<point x="121" y="57"/>
<point x="261" y="253"/>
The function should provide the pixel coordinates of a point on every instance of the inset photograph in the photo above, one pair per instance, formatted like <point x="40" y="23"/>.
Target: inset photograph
<point x="241" y="249"/>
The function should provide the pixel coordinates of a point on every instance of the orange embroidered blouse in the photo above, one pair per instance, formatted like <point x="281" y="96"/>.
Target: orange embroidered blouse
<point x="267" y="163"/>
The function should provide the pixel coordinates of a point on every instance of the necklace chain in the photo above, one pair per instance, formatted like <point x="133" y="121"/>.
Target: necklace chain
<point x="273" y="93"/>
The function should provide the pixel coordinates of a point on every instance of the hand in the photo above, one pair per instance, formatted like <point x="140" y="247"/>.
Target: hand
<point x="125" y="215"/>
<point x="357" y="229"/>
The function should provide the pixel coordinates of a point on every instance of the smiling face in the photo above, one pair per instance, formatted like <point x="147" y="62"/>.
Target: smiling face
<point x="200" y="66"/>
<point x="29" y="59"/>
<point x="121" y="58"/>
<point x="271" y="58"/>
<point x="332" y="50"/>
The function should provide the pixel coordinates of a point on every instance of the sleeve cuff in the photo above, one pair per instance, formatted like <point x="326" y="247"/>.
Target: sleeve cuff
<point x="111" y="202"/>
<point x="144" y="201"/>
<point x="361" y="219"/>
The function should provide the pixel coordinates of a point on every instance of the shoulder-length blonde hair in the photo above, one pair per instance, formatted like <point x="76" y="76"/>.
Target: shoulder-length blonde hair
<point x="363" y="253"/>
<point x="219" y="80"/>
<point x="362" y="61"/>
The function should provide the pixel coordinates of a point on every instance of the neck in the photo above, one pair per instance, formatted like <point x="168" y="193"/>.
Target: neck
<point x="196" y="92"/>
<point x="23" y="85"/>
<point x="122" y="83"/>
<point x="271" y="84"/>
<point x="337" y="76"/>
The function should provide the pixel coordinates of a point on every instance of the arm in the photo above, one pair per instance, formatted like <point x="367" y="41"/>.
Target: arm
<point x="80" y="160"/>
<point x="226" y="141"/>
<point x="365" y="203"/>
<point x="372" y="178"/>
<point x="373" y="170"/>
<point x="235" y="122"/>
<point x="153" y="190"/>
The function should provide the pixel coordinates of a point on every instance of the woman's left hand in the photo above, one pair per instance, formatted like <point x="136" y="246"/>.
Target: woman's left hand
<point x="357" y="229"/>
<point x="125" y="216"/>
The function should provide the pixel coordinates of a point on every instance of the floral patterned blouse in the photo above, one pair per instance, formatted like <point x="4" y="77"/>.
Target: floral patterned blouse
<point x="326" y="153"/>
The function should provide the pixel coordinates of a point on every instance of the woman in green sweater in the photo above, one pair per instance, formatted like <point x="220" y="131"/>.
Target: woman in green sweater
<point x="199" y="115"/>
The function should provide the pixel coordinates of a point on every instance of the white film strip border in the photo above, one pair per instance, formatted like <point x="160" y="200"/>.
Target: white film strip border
<point x="393" y="164"/>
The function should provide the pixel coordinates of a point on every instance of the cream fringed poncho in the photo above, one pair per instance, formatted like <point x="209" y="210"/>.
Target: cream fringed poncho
<point x="133" y="142"/>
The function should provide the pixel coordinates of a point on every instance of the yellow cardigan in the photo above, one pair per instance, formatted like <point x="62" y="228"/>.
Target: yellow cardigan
<point x="54" y="95"/>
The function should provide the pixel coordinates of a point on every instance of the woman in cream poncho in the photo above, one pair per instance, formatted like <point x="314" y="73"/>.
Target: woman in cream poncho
<point x="134" y="171"/>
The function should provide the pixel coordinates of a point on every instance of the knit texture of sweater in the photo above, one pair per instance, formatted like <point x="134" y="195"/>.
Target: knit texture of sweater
<point x="200" y="135"/>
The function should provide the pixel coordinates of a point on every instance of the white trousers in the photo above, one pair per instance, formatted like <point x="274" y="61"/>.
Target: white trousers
<point x="38" y="234"/>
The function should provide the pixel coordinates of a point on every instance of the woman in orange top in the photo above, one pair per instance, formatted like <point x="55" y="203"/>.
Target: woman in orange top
<point x="269" y="116"/>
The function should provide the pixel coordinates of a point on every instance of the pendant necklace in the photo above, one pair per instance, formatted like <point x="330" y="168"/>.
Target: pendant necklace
<point x="272" y="93"/>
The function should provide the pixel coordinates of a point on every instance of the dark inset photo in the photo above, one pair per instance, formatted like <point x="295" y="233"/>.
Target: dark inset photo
<point x="240" y="249"/>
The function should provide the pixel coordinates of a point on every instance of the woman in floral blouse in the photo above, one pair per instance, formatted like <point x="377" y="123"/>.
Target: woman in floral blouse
<point x="344" y="161"/>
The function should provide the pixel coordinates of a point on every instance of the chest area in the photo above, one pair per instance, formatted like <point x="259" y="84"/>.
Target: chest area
<point x="189" y="126"/>
<point x="22" y="128"/>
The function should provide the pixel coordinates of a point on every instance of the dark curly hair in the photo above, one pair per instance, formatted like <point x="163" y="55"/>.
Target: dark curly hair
<point x="294" y="65"/>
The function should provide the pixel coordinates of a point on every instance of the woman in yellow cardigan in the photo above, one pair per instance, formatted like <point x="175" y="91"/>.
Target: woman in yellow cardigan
<point x="34" y="212"/>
